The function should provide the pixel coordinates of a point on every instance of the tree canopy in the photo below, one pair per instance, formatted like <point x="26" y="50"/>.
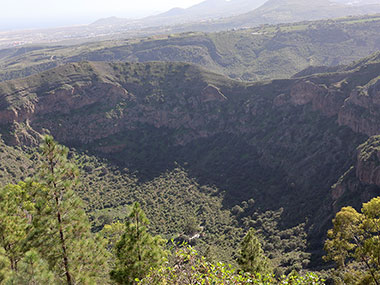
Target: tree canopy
<point x="45" y="235"/>
<point x="137" y="251"/>
<point x="251" y="256"/>
<point x="354" y="243"/>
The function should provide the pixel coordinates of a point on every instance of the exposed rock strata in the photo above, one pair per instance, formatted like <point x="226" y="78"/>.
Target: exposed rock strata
<point x="368" y="162"/>
<point x="361" y="109"/>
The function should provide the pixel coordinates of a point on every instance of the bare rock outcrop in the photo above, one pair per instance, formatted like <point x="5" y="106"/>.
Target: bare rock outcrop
<point x="360" y="111"/>
<point x="362" y="176"/>
<point x="368" y="162"/>
<point x="305" y="92"/>
<point x="326" y="100"/>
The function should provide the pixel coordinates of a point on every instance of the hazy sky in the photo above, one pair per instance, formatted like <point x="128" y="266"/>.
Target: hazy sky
<point x="15" y="14"/>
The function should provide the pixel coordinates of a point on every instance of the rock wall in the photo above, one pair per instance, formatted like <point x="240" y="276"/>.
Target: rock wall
<point x="326" y="100"/>
<point x="360" y="111"/>
<point x="97" y="109"/>
<point x="368" y="162"/>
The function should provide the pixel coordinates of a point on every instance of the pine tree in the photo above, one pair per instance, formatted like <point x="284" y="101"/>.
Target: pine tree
<point x="251" y="256"/>
<point x="61" y="230"/>
<point x="15" y="216"/>
<point x="32" y="269"/>
<point x="354" y="244"/>
<point x="4" y="266"/>
<point x="137" y="251"/>
<point x="112" y="233"/>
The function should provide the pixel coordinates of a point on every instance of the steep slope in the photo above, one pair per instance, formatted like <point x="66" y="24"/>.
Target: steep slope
<point x="255" y="54"/>
<point x="361" y="180"/>
<point x="283" y="143"/>
<point x="15" y="163"/>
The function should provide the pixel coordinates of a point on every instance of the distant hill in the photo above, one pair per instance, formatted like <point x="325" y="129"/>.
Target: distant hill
<point x="209" y="9"/>
<point x="206" y="10"/>
<point x="285" y="11"/>
<point x="277" y="51"/>
<point x="112" y="21"/>
<point x="208" y="16"/>
<point x="217" y="15"/>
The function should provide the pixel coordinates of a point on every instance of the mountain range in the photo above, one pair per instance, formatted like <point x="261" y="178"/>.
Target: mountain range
<point x="208" y="16"/>
<point x="277" y="51"/>
<point x="250" y="13"/>
<point x="209" y="9"/>
<point x="287" y="11"/>
<point x="206" y="10"/>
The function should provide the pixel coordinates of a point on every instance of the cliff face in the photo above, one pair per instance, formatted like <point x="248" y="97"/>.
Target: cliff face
<point x="368" y="162"/>
<point x="361" y="109"/>
<point x="362" y="180"/>
<point x="326" y="100"/>
<point x="353" y="102"/>
<point x="95" y="102"/>
<point x="126" y="97"/>
<point x="356" y="108"/>
<point x="98" y="108"/>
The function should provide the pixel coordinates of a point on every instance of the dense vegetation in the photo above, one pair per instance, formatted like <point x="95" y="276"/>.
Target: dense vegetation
<point x="45" y="238"/>
<point x="186" y="208"/>
<point x="353" y="244"/>
<point x="45" y="233"/>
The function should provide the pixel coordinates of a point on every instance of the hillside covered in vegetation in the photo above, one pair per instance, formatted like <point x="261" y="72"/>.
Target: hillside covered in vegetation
<point x="266" y="52"/>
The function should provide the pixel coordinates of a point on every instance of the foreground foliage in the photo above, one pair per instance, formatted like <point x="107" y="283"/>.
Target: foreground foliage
<point x="137" y="251"/>
<point x="252" y="257"/>
<point x="354" y="244"/>
<point x="45" y="234"/>
<point x="190" y="268"/>
<point x="45" y="238"/>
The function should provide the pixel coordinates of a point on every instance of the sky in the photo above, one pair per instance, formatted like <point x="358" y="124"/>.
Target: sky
<point x="22" y="14"/>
